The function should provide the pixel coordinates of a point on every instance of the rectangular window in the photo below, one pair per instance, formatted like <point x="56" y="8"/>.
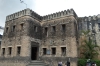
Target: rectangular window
<point x="21" y="26"/>
<point x="44" y="51"/>
<point x="13" y="29"/>
<point x="63" y="27"/>
<point x="53" y="51"/>
<point x="6" y="29"/>
<point x="53" y="28"/>
<point x="9" y="50"/>
<point x="3" y="51"/>
<point x="63" y="50"/>
<point x="18" y="50"/>
<point x="35" y="29"/>
<point x="46" y="31"/>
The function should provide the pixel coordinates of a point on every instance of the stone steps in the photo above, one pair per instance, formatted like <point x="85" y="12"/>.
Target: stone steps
<point x="37" y="63"/>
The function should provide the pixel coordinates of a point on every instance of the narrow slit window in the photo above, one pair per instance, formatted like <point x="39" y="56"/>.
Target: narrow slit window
<point x="63" y="50"/>
<point x="53" y="28"/>
<point x="18" y="50"/>
<point x="13" y="29"/>
<point x="46" y="30"/>
<point x="44" y="51"/>
<point x="53" y="51"/>
<point x="21" y="26"/>
<point x="10" y="50"/>
<point x="6" y="29"/>
<point x="35" y="28"/>
<point x="3" y="51"/>
<point x="63" y="27"/>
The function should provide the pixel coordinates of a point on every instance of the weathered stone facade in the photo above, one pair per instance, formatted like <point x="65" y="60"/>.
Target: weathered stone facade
<point x="0" y="39"/>
<point x="52" y="38"/>
<point x="91" y="23"/>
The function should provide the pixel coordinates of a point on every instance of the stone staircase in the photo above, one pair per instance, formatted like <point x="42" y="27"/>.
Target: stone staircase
<point x="37" y="63"/>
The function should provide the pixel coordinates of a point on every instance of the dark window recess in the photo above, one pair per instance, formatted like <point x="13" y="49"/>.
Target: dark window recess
<point x="46" y="30"/>
<point x="21" y="25"/>
<point x="3" y="51"/>
<point x="13" y="29"/>
<point x="63" y="50"/>
<point x="53" y="51"/>
<point x="6" y="29"/>
<point x="18" y="50"/>
<point x="53" y="28"/>
<point x="10" y="50"/>
<point x="35" y="29"/>
<point x="63" y="27"/>
<point x="44" y="51"/>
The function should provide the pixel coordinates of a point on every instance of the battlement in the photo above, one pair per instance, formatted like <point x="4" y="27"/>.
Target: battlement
<point x="90" y="18"/>
<point x="31" y="13"/>
<point x="60" y="14"/>
<point x="25" y="12"/>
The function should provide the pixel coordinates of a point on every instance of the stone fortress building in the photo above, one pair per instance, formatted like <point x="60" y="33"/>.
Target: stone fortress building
<point x="51" y="38"/>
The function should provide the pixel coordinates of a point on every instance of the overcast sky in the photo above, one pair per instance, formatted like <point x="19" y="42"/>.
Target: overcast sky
<point x="44" y="7"/>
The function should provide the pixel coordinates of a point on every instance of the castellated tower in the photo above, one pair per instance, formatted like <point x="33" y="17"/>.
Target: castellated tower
<point x="30" y="37"/>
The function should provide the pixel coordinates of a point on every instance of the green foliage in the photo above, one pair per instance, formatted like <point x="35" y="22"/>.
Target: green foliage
<point x="89" y="47"/>
<point x="82" y="62"/>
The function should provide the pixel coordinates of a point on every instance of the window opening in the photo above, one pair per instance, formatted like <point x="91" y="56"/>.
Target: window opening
<point x="44" y="51"/>
<point x="53" y="28"/>
<point x="53" y="51"/>
<point x="63" y="27"/>
<point x="13" y="28"/>
<point x="63" y="50"/>
<point x="35" y="29"/>
<point x="46" y="31"/>
<point x="21" y="26"/>
<point x="18" y="50"/>
<point x="10" y="50"/>
<point x="6" y="29"/>
<point x="3" y="51"/>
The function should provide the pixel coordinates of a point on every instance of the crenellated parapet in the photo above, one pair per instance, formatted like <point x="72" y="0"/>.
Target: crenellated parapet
<point x="89" y="18"/>
<point x="90" y="22"/>
<point x="68" y="12"/>
<point x="25" y="12"/>
<point x="29" y="12"/>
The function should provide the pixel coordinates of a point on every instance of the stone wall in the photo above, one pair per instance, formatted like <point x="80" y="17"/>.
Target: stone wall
<point x="51" y="31"/>
<point x="58" y="39"/>
<point x="13" y="63"/>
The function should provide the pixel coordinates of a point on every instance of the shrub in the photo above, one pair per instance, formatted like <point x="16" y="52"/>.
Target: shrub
<point x="82" y="62"/>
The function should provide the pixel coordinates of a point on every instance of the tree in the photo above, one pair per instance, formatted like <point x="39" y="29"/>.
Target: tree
<point x="88" y="48"/>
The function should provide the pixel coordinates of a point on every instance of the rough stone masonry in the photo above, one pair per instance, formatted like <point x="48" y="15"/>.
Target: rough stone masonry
<point x="51" y="38"/>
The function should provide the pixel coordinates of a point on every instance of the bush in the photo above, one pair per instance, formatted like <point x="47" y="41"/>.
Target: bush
<point x="82" y="62"/>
